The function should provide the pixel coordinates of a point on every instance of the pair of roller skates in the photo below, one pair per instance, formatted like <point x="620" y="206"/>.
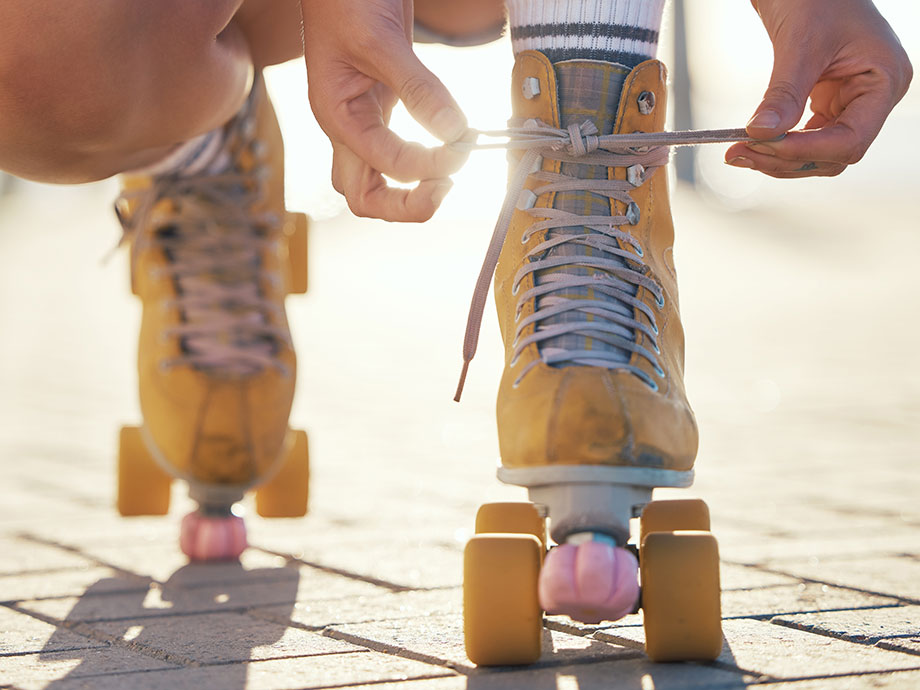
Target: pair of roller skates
<point x="592" y="412"/>
<point x="213" y="255"/>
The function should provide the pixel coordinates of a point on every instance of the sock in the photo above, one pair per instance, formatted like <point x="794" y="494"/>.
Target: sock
<point x="619" y="31"/>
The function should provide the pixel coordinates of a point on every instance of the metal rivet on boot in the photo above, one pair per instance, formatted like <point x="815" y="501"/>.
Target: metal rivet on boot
<point x="632" y="213"/>
<point x="526" y="200"/>
<point x="531" y="88"/>
<point x="635" y="174"/>
<point x="646" y="102"/>
<point x="537" y="165"/>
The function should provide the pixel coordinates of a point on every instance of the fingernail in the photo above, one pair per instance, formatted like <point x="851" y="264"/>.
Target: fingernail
<point x="762" y="149"/>
<point x="741" y="162"/>
<point x="765" y="119"/>
<point x="440" y="191"/>
<point x="448" y="124"/>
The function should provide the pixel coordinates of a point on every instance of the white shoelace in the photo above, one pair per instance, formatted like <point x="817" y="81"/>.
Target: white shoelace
<point x="641" y="154"/>
<point x="214" y="247"/>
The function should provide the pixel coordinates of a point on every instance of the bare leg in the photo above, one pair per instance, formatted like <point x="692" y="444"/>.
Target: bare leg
<point x="103" y="86"/>
<point x="457" y="18"/>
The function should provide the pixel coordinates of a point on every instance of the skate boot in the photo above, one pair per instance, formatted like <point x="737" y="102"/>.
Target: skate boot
<point x="592" y="412"/>
<point x="213" y="255"/>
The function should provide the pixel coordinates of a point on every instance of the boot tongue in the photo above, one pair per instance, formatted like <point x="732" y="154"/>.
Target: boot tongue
<point x="587" y="90"/>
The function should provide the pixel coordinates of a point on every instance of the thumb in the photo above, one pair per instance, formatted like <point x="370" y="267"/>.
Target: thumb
<point x="784" y="101"/>
<point x="425" y="97"/>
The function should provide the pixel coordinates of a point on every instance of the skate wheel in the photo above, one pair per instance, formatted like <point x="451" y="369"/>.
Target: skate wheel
<point x="502" y="620"/>
<point x="143" y="486"/>
<point x="680" y="596"/>
<point x="514" y="518"/>
<point x="295" y="229"/>
<point x="205" y="538"/>
<point x="671" y="516"/>
<point x="286" y="494"/>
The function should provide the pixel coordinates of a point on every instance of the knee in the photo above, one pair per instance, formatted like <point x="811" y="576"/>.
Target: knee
<point x="77" y="85"/>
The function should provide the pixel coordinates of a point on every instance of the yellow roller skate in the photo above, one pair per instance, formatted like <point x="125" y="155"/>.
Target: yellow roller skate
<point x="213" y="255"/>
<point x="592" y="413"/>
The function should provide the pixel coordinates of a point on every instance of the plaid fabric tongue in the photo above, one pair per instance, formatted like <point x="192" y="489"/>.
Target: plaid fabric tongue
<point x="587" y="91"/>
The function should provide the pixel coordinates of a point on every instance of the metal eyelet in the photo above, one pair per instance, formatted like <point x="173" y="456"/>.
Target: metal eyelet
<point x="651" y="384"/>
<point x="635" y="174"/>
<point x="530" y="88"/>
<point x="659" y="301"/>
<point x="633" y="214"/>
<point x="646" y="102"/>
<point x="659" y="371"/>
<point x="526" y="200"/>
<point x="639" y="149"/>
<point x="639" y="250"/>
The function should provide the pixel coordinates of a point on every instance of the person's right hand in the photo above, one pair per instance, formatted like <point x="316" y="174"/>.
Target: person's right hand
<point x="359" y="62"/>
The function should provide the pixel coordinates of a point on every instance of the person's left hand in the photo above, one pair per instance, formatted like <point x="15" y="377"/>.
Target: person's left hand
<point x="845" y="56"/>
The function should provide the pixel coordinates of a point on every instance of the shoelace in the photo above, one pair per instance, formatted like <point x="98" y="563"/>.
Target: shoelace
<point x="214" y="245"/>
<point x="641" y="154"/>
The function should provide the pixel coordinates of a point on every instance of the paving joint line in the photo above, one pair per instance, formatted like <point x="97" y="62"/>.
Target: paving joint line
<point x="847" y="638"/>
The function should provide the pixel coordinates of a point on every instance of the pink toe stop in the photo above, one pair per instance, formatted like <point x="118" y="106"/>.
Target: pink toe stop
<point x="591" y="582"/>
<point x="205" y="538"/>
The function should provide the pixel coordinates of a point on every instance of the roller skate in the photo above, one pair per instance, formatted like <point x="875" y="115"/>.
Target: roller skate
<point x="213" y="255"/>
<point x="592" y="413"/>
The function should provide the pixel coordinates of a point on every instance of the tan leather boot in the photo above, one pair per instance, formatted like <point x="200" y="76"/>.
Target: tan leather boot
<point x="213" y="256"/>
<point x="592" y="398"/>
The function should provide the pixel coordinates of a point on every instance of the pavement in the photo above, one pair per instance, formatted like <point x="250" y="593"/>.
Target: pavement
<point x="801" y="338"/>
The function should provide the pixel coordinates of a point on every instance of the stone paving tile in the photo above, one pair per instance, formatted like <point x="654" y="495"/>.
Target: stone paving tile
<point x="759" y="647"/>
<point x="733" y="576"/>
<point x="894" y="576"/>
<point x="301" y="673"/>
<point x="778" y="550"/>
<point x="19" y="556"/>
<point x="362" y="609"/>
<point x="20" y="633"/>
<point x="304" y="584"/>
<point x="68" y="582"/>
<point x="92" y="665"/>
<point x="220" y="638"/>
<point x="867" y="626"/>
<point x="439" y="639"/>
<point x="812" y="596"/>
<point x="629" y="674"/>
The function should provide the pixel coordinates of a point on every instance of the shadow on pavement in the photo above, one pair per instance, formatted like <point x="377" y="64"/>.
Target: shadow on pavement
<point x="164" y="622"/>
<point x="633" y="671"/>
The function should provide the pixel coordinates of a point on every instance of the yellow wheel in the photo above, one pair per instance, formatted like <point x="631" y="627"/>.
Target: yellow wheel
<point x="295" y="229"/>
<point x="143" y="486"/>
<point x="680" y="596"/>
<point x="516" y="518"/>
<point x="286" y="493"/>
<point x="670" y="516"/>
<point x="502" y="620"/>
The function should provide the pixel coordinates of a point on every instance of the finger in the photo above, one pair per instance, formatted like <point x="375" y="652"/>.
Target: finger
<point x="744" y="157"/>
<point x="845" y="139"/>
<point x="784" y="101"/>
<point x="368" y="194"/>
<point x="424" y="95"/>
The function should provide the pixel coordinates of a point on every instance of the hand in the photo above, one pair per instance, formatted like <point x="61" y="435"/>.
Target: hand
<point x="845" y="56"/>
<point x="359" y="61"/>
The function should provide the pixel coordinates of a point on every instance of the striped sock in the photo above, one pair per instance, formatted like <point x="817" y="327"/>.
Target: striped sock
<point x="619" y="31"/>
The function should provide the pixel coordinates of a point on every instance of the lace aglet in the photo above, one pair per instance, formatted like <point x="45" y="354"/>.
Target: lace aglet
<point x="466" y="366"/>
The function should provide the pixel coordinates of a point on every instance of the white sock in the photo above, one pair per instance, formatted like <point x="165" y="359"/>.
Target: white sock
<point x="620" y="31"/>
<point x="203" y="153"/>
